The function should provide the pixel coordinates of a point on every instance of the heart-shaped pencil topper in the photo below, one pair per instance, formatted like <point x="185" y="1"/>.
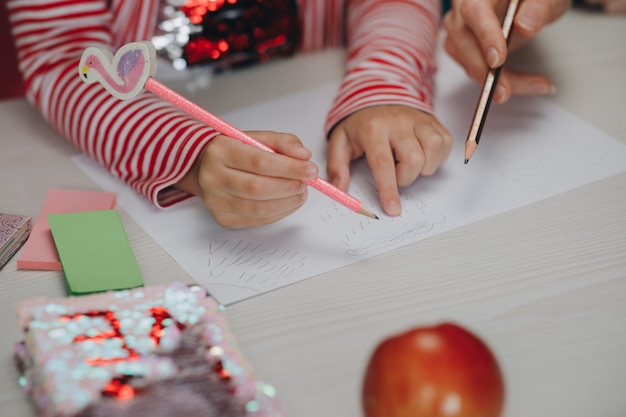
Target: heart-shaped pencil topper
<point x="123" y="75"/>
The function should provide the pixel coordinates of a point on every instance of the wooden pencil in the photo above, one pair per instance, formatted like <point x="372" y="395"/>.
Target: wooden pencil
<point x="480" y="114"/>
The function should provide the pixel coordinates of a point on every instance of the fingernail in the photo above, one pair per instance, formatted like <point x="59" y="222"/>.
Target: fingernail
<point x="393" y="208"/>
<point x="493" y="57"/>
<point x="500" y="94"/>
<point x="529" y="22"/>
<point x="310" y="172"/>
<point x="541" y="89"/>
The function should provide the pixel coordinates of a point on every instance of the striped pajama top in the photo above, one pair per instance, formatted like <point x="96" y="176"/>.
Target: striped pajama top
<point x="149" y="143"/>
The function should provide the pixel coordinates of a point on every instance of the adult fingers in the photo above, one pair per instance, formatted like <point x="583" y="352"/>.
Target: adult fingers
<point x="608" y="6"/>
<point x="532" y="16"/>
<point x="615" y="6"/>
<point x="525" y="84"/>
<point x="482" y="19"/>
<point x="464" y="49"/>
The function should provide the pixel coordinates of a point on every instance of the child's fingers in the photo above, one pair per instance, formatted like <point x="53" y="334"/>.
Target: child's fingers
<point x="338" y="160"/>
<point x="423" y="152"/>
<point x="243" y="157"/>
<point x="241" y="213"/>
<point x="249" y="186"/>
<point x="244" y="186"/>
<point x="436" y="143"/>
<point x="410" y="160"/>
<point x="283" y="143"/>
<point x="382" y="163"/>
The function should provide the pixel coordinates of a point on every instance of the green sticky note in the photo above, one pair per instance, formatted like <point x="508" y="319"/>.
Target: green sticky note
<point x="94" y="251"/>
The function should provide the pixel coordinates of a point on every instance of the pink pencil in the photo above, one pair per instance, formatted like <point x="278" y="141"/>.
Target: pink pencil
<point x="135" y="67"/>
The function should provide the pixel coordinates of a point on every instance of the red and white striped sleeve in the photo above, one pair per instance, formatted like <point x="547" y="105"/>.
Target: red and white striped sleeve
<point x="149" y="143"/>
<point x="146" y="142"/>
<point x="391" y="48"/>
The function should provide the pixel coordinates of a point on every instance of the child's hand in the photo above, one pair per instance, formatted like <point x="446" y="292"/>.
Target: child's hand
<point x="399" y="142"/>
<point x="244" y="186"/>
<point x="474" y="39"/>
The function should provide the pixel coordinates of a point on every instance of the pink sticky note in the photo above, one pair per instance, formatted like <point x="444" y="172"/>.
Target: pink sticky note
<point x="39" y="252"/>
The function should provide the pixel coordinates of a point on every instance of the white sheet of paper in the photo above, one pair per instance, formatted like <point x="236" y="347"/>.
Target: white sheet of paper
<point x="530" y="150"/>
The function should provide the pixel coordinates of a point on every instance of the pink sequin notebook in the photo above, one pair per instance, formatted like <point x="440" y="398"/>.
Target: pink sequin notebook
<point x="154" y="351"/>
<point x="14" y="230"/>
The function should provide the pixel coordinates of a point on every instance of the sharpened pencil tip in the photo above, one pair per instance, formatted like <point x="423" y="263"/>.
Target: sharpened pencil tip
<point x="466" y="161"/>
<point x="362" y="210"/>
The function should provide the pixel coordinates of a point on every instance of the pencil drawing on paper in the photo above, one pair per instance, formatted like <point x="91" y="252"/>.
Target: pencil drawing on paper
<point x="371" y="236"/>
<point x="389" y="236"/>
<point x="362" y="189"/>
<point x="251" y="264"/>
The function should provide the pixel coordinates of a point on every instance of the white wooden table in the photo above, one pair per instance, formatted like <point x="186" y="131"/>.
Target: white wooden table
<point x="544" y="285"/>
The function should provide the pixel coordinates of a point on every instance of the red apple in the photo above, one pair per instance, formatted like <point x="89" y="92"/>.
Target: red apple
<point x="443" y="370"/>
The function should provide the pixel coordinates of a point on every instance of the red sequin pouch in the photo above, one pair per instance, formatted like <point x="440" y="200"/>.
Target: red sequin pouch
<point x="226" y="33"/>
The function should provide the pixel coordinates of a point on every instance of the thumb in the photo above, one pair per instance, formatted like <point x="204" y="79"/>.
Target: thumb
<point x="532" y="16"/>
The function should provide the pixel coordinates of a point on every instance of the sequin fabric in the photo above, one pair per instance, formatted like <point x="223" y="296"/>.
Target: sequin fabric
<point x="225" y="33"/>
<point x="157" y="351"/>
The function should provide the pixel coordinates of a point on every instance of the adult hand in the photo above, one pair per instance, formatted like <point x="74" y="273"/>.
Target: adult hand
<point x="244" y="186"/>
<point x="475" y="40"/>
<point x="399" y="142"/>
<point x="607" y="6"/>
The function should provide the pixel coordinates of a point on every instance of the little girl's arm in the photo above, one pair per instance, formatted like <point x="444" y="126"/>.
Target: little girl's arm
<point x="146" y="142"/>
